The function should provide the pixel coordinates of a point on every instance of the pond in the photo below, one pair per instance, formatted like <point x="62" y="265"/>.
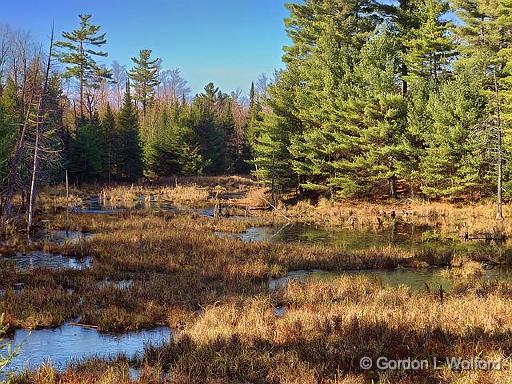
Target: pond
<point x="95" y="205"/>
<point x="416" y="279"/>
<point x="401" y="234"/>
<point x="40" y="259"/>
<point x="69" y="343"/>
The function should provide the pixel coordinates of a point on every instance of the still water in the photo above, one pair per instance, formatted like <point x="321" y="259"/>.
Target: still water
<point x="69" y="343"/>
<point x="95" y="205"/>
<point x="416" y="279"/>
<point x="403" y="235"/>
<point x="40" y="259"/>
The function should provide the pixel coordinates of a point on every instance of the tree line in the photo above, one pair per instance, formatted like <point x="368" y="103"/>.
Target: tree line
<point x="380" y="99"/>
<point x="374" y="99"/>
<point x="65" y="114"/>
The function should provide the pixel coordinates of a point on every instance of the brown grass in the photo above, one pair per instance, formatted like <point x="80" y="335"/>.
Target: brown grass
<point x="214" y="292"/>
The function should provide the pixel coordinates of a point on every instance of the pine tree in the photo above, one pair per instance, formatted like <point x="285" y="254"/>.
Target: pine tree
<point x="9" y="120"/>
<point x="382" y="115"/>
<point x="486" y="46"/>
<point x="254" y="118"/>
<point x="455" y="155"/>
<point x="111" y="139"/>
<point x="86" y="155"/>
<point x="130" y="156"/>
<point x="213" y="124"/>
<point x="327" y="150"/>
<point x="80" y="50"/>
<point x="429" y="46"/>
<point x="145" y="79"/>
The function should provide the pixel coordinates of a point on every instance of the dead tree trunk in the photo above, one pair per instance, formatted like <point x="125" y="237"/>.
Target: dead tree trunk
<point x="499" y="200"/>
<point x="16" y="158"/>
<point x="39" y="122"/>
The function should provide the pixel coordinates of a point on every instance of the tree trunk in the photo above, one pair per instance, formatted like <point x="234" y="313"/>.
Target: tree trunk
<point x="392" y="187"/>
<point x="14" y="163"/>
<point x="35" y="167"/>
<point x="499" y="201"/>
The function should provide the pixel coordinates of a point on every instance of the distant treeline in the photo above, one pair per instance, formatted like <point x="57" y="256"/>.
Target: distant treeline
<point x="375" y="99"/>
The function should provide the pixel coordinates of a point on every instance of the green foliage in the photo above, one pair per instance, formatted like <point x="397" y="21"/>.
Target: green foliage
<point x="374" y="100"/>
<point x="86" y="152"/>
<point x="172" y="148"/>
<point x="110" y="141"/>
<point x="7" y="353"/>
<point x="129" y="156"/>
<point x="429" y="45"/>
<point x="454" y="159"/>
<point x="9" y="120"/>
<point x="145" y="78"/>
<point x="79" y="49"/>
<point x="213" y="124"/>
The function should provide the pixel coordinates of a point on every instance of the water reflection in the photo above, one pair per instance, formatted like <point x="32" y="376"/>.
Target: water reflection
<point x="39" y="259"/>
<point x="416" y="279"/>
<point x="403" y="235"/>
<point x="96" y="205"/>
<point x="68" y="343"/>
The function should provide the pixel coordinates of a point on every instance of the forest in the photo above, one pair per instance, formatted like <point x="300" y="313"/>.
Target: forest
<point x="349" y="208"/>
<point x="400" y="100"/>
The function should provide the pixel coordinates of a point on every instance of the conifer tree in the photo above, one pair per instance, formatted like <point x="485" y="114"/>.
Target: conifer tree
<point x="486" y="46"/>
<point x="111" y="140"/>
<point x="145" y="78"/>
<point x="213" y="124"/>
<point x="86" y="163"/>
<point x="454" y="159"/>
<point x="80" y="48"/>
<point x="130" y="156"/>
<point x="429" y="46"/>
<point x="253" y="117"/>
<point x="9" y="119"/>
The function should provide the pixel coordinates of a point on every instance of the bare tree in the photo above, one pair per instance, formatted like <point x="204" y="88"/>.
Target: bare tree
<point x="117" y="86"/>
<point x="172" y="86"/>
<point x="38" y="123"/>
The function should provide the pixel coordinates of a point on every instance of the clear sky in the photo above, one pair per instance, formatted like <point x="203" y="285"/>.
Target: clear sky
<point x="229" y="42"/>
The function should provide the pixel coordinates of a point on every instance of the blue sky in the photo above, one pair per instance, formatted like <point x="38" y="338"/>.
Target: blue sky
<point x="229" y="42"/>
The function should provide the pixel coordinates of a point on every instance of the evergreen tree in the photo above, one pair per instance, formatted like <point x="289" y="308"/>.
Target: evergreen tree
<point x="382" y="114"/>
<point x="454" y="159"/>
<point x="172" y="148"/>
<point x="111" y="141"/>
<point x="272" y="141"/>
<point x="130" y="154"/>
<point x="9" y="120"/>
<point x="80" y="50"/>
<point x="486" y="45"/>
<point x="327" y="151"/>
<point x="86" y="155"/>
<point x="145" y="78"/>
<point x="214" y="126"/>
<point x="429" y="46"/>
<point x="254" y="118"/>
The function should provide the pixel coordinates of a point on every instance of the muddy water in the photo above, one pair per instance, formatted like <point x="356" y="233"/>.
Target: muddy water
<point x="416" y="279"/>
<point x="68" y="343"/>
<point x="39" y="259"/>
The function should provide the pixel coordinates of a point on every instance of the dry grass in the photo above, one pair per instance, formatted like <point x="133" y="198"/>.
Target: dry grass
<point x="474" y="220"/>
<point x="328" y="327"/>
<point x="214" y="292"/>
<point x="177" y="262"/>
<point x="179" y="194"/>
